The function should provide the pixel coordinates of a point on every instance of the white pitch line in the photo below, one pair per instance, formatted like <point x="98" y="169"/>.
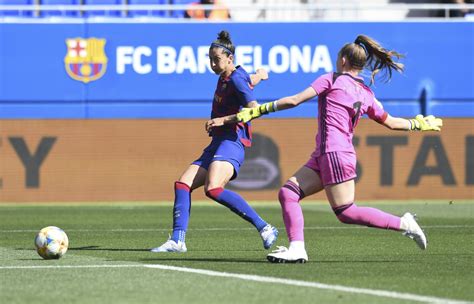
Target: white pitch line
<point x="263" y="279"/>
<point x="348" y="289"/>
<point x="228" y="229"/>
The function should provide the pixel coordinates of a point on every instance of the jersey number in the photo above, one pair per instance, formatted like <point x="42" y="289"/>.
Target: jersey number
<point x="355" y="118"/>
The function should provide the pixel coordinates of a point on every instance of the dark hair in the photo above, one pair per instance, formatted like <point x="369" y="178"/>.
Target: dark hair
<point x="223" y="41"/>
<point x="366" y="53"/>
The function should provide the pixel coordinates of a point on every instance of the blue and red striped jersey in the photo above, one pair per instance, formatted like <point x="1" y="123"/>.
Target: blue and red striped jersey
<point x="233" y="93"/>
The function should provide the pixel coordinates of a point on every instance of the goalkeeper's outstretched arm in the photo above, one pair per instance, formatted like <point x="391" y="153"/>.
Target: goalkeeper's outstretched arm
<point x="247" y="114"/>
<point x="419" y="123"/>
<point x="293" y="101"/>
<point x="397" y="123"/>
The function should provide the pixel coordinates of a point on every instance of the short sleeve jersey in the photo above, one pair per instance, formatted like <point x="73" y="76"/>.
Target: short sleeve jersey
<point x="231" y="95"/>
<point x="342" y="100"/>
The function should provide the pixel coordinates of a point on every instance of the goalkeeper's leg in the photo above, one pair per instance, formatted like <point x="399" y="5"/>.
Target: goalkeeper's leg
<point x="338" y="176"/>
<point x="350" y="213"/>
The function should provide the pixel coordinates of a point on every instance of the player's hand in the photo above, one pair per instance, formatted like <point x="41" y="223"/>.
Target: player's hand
<point x="215" y="122"/>
<point x="247" y="114"/>
<point x="262" y="73"/>
<point x="427" y="123"/>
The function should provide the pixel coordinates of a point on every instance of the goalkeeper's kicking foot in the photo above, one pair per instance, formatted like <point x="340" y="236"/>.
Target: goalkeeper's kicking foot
<point x="269" y="236"/>
<point x="171" y="246"/>
<point x="285" y="255"/>
<point x="414" y="230"/>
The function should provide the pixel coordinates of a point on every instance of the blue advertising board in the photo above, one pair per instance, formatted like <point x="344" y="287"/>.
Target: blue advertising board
<point x="89" y="70"/>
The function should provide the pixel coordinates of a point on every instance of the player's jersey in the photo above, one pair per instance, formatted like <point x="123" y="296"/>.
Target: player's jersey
<point x="231" y="95"/>
<point x="342" y="100"/>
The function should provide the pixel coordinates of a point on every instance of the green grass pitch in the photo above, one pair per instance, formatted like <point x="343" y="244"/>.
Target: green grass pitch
<point x="108" y="260"/>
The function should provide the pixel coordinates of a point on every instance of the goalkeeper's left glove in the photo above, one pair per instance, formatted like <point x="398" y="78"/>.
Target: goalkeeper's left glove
<point x="247" y="114"/>
<point x="428" y="123"/>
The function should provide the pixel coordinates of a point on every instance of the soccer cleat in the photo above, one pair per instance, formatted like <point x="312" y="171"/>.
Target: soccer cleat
<point x="414" y="230"/>
<point x="269" y="236"/>
<point x="171" y="246"/>
<point x="285" y="255"/>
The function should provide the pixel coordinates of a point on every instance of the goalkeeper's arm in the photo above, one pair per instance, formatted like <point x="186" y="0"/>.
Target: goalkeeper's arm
<point x="419" y="123"/>
<point x="247" y="114"/>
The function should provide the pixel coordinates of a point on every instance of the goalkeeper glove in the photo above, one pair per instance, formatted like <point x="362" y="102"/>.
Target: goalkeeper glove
<point x="247" y="114"/>
<point x="428" y="123"/>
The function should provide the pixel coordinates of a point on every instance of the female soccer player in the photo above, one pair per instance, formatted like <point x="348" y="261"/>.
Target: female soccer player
<point x="342" y="99"/>
<point x="222" y="158"/>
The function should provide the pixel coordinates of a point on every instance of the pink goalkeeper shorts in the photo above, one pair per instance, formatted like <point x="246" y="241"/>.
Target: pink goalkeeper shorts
<point x="334" y="167"/>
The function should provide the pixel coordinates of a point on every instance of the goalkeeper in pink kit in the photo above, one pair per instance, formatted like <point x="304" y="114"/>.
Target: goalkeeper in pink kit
<point x="342" y="99"/>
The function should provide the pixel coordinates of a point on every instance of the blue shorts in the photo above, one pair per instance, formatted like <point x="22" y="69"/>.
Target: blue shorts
<point x="222" y="149"/>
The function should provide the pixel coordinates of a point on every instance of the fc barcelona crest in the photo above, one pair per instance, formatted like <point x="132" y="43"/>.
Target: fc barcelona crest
<point x="85" y="59"/>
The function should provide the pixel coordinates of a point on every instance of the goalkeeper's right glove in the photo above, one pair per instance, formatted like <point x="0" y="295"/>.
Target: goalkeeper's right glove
<point x="247" y="114"/>
<point x="428" y="123"/>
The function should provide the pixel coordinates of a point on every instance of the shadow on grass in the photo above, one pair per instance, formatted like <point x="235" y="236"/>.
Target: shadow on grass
<point x="212" y="260"/>
<point x="357" y="261"/>
<point x="183" y="257"/>
<point x="166" y="256"/>
<point x="98" y="248"/>
<point x="38" y="259"/>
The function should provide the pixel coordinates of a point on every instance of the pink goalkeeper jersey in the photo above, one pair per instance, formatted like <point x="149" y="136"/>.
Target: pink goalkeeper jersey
<point x="342" y="100"/>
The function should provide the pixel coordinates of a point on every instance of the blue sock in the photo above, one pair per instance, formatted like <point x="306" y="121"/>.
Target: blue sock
<point x="181" y="211"/>
<point x="238" y="205"/>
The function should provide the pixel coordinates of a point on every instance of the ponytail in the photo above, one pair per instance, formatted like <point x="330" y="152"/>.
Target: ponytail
<point x="366" y="53"/>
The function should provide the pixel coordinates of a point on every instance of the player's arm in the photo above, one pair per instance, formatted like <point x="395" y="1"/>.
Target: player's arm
<point x="220" y="121"/>
<point x="396" y="123"/>
<point x="230" y="119"/>
<point x="293" y="101"/>
<point x="247" y="114"/>
<point x="419" y="123"/>
<point x="260" y="74"/>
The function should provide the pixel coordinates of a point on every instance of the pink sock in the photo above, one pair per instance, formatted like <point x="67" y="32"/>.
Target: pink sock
<point x="371" y="217"/>
<point x="289" y="196"/>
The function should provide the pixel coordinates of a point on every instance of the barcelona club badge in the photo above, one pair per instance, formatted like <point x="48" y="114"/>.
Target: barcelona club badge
<point x="85" y="59"/>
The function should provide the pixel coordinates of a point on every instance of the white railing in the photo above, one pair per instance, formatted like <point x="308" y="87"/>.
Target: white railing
<point x="350" y="10"/>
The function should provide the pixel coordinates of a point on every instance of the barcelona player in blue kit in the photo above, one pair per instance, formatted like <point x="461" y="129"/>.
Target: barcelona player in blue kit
<point x="222" y="158"/>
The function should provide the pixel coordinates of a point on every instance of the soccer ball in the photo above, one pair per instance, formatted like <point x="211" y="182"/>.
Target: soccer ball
<point x="51" y="243"/>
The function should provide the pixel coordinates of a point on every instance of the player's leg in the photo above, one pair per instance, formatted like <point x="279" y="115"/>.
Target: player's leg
<point x="220" y="173"/>
<point x="340" y="190"/>
<point x="304" y="182"/>
<point x="193" y="177"/>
